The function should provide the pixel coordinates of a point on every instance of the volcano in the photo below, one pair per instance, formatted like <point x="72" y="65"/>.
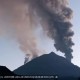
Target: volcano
<point x="50" y="64"/>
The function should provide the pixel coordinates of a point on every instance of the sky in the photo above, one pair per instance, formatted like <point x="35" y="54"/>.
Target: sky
<point x="12" y="57"/>
<point x="74" y="4"/>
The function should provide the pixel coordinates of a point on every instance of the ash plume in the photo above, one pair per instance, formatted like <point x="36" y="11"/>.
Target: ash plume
<point x="23" y="16"/>
<point x="55" y="18"/>
<point x="17" y="23"/>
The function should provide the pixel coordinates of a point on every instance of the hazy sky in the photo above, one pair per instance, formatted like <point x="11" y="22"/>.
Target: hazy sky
<point x="76" y="27"/>
<point x="12" y="57"/>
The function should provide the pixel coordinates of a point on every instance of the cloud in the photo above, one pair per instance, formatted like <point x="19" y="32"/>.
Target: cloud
<point x="21" y="18"/>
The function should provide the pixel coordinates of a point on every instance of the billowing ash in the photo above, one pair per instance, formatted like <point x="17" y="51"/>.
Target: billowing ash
<point x="53" y="15"/>
<point x="55" y="19"/>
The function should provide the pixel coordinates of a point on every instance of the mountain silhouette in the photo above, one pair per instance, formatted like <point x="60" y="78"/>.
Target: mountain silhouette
<point x="4" y="71"/>
<point x="48" y="65"/>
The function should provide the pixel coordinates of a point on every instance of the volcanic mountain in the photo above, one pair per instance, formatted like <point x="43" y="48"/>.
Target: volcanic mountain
<point x="48" y="65"/>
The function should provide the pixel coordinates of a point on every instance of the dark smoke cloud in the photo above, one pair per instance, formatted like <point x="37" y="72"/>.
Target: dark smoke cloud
<point x="55" y="19"/>
<point x="23" y="17"/>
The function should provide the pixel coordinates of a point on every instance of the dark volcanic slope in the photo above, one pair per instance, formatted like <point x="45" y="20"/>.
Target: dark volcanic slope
<point x="49" y="64"/>
<point x="5" y="71"/>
